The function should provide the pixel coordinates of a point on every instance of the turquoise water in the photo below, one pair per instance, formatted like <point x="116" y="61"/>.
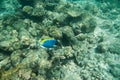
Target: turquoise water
<point x="87" y="33"/>
<point x="8" y="7"/>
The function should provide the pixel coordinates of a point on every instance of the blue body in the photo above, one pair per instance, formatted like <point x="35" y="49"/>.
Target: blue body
<point x="49" y="43"/>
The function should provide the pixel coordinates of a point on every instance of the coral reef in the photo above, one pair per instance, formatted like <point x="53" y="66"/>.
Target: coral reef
<point x="87" y="35"/>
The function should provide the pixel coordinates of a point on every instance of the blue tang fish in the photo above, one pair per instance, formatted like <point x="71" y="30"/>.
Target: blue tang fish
<point x="48" y="43"/>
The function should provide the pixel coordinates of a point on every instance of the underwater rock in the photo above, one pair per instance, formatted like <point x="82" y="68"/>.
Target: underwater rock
<point x="92" y="8"/>
<point x="24" y="37"/>
<point x="68" y="36"/>
<point x="55" y="16"/>
<point x="25" y="74"/>
<point x="5" y="45"/>
<point x="55" y="32"/>
<point x="115" y="70"/>
<point x="2" y="56"/>
<point x="28" y="9"/>
<point x="33" y="31"/>
<point x="7" y="75"/>
<point x="83" y="49"/>
<point x="34" y="28"/>
<point x="114" y="47"/>
<point x="101" y="48"/>
<point x="19" y="25"/>
<point x="70" y="71"/>
<point x="39" y="77"/>
<point x="39" y="11"/>
<point x="16" y="57"/>
<point x="27" y="21"/>
<point x="86" y="16"/>
<point x="65" y="52"/>
<point x="73" y="13"/>
<point x="74" y="10"/>
<point x="85" y="23"/>
<point x="106" y="25"/>
<point x="89" y="37"/>
<point x="5" y="63"/>
<point x="26" y="64"/>
<point x="9" y="40"/>
<point x="15" y="73"/>
<point x="36" y="57"/>
<point x="76" y="27"/>
<point x="47" y="22"/>
<point x="34" y="11"/>
<point x="62" y="7"/>
<point x="81" y="36"/>
<point x="15" y="42"/>
<point x="88" y="26"/>
<point x="37" y="60"/>
<point x="16" y="45"/>
<point x="25" y="40"/>
<point x="50" y="4"/>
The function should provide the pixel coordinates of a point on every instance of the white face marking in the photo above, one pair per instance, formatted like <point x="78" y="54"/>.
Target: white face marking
<point x="46" y="48"/>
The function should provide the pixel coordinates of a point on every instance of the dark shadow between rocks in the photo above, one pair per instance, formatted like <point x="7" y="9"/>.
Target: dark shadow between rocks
<point x="34" y="18"/>
<point x="26" y="2"/>
<point x="65" y="40"/>
<point x="6" y="52"/>
<point x="73" y="19"/>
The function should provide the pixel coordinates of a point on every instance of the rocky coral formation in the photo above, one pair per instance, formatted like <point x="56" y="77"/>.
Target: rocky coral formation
<point x="88" y="41"/>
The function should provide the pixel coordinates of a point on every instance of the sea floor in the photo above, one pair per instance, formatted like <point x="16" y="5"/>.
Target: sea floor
<point x="87" y="35"/>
